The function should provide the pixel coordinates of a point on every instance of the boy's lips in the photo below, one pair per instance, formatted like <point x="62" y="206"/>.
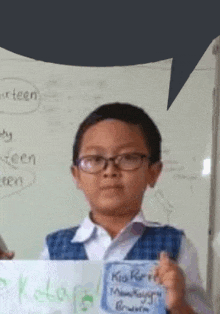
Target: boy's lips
<point x="115" y="186"/>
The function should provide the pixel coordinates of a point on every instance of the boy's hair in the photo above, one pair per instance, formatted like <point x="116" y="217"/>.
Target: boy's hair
<point x="127" y="113"/>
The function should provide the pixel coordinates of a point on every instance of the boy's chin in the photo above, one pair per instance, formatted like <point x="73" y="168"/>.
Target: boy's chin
<point x="114" y="207"/>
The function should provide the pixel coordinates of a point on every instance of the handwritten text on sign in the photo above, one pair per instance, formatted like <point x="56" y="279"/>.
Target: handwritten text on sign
<point x="72" y="287"/>
<point x="50" y="287"/>
<point x="130" y="287"/>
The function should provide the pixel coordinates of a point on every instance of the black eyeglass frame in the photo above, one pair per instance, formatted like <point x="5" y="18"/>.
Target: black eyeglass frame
<point x="78" y="161"/>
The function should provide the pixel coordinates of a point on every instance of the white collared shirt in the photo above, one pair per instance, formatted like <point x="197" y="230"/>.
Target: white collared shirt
<point x="100" y="246"/>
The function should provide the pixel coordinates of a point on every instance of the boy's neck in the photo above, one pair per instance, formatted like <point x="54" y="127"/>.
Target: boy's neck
<point x="112" y="224"/>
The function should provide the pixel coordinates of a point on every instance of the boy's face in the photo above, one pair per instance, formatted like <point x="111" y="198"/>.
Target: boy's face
<point x="109" y="138"/>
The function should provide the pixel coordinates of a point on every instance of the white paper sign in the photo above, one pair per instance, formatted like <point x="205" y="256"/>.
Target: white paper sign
<point x="64" y="287"/>
<point x="130" y="287"/>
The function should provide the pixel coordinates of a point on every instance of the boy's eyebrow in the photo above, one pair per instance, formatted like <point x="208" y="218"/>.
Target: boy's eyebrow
<point x="130" y="144"/>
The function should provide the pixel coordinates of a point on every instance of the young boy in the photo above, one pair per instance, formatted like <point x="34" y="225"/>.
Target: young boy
<point x="116" y="157"/>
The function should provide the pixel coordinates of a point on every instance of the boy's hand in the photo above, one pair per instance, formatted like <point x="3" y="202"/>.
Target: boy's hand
<point x="6" y="255"/>
<point x="169" y="274"/>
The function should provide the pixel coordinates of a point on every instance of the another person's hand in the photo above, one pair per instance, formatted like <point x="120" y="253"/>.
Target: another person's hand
<point x="6" y="255"/>
<point x="169" y="274"/>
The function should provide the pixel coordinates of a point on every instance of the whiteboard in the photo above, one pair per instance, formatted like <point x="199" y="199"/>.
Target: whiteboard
<point x="41" y="107"/>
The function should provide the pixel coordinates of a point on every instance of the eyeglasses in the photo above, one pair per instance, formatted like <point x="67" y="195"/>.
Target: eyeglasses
<point x="96" y="163"/>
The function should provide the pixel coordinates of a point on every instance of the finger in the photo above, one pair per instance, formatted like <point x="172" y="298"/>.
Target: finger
<point x="10" y="255"/>
<point x="162" y="267"/>
<point x="158" y="275"/>
<point x="164" y="256"/>
<point x="165" y="260"/>
<point x="7" y="255"/>
<point x="174" y="284"/>
<point x="165" y="278"/>
<point x="172" y="277"/>
<point x="165" y="266"/>
<point x="166" y="269"/>
<point x="156" y="272"/>
<point x="165" y="272"/>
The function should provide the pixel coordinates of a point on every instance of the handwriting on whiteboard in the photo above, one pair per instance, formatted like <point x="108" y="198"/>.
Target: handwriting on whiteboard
<point x="6" y="136"/>
<point x="14" y="158"/>
<point x="14" y="180"/>
<point x="18" y="96"/>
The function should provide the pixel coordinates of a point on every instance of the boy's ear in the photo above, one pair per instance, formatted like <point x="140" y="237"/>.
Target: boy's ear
<point x="76" y="177"/>
<point x="154" y="172"/>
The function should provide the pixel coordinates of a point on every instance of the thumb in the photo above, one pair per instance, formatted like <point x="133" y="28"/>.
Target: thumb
<point x="164" y="255"/>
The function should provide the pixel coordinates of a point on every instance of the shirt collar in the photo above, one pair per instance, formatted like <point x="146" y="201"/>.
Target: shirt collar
<point x="88" y="228"/>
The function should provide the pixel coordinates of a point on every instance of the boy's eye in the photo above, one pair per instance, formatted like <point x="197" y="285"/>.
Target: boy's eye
<point x="130" y="157"/>
<point x="94" y="159"/>
<point x="97" y="158"/>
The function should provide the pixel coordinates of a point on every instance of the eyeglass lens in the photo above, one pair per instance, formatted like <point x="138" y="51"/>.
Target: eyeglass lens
<point x="124" y="162"/>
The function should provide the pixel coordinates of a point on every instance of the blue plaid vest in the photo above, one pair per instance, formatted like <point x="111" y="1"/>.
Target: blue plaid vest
<point x="148" y="247"/>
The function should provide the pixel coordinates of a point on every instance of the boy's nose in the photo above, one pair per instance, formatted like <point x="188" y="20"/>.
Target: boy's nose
<point x="111" y="169"/>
